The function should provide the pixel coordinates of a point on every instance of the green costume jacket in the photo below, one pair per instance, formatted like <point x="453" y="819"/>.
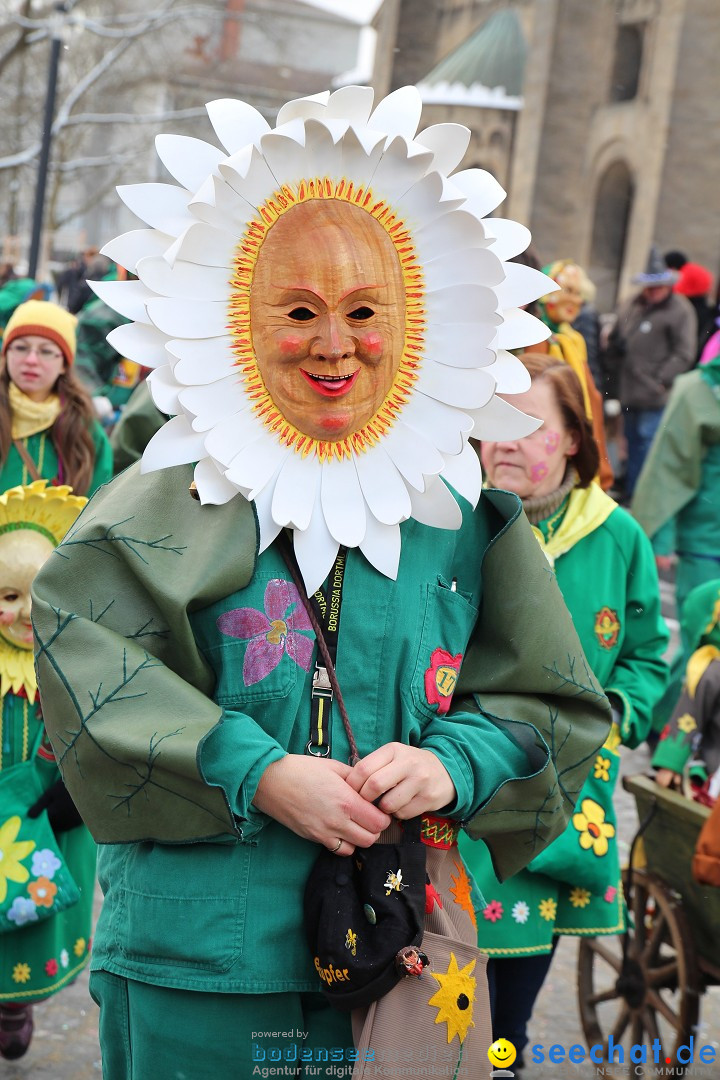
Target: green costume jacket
<point x="41" y="450"/>
<point x="606" y="573"/>
<point x="174" y="667"/>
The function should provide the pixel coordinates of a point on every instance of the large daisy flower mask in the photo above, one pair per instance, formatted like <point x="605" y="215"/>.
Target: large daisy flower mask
<point x="329" y="318"/>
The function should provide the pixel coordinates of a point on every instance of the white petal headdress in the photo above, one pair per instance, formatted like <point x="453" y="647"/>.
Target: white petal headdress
<point x="190" y="308"/>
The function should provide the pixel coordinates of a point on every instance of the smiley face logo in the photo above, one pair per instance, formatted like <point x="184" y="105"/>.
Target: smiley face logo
<point x="501" y="1054"/>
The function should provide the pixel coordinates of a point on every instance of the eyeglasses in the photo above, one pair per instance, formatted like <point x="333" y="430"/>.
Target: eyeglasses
<point x="45" y="352"/>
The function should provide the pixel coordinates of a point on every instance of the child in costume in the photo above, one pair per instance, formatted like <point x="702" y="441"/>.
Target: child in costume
<point x="319" y="304"/>
<point x="38" y="955"/>
<point x="692" y="735"/>
<point x="47" y="422"/>
<point x="606" y="573"/>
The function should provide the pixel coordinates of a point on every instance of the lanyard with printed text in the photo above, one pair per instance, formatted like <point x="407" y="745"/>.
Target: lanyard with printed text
<point x="326" y="604"/>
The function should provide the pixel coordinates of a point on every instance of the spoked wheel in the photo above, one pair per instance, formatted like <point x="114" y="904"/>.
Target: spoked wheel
<point x="652" y="992"/>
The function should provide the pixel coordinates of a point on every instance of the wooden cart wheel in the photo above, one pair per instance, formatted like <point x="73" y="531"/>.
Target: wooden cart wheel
<point x="655" y="993"/>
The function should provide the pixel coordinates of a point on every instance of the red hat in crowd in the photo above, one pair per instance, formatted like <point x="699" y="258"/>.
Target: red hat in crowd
<point x="694" y="280"/>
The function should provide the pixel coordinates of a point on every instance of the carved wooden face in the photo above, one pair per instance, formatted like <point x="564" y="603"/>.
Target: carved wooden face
<point x="22" y="553"/>
<point x="327" y="316"/>
<point x="564" y="306"/>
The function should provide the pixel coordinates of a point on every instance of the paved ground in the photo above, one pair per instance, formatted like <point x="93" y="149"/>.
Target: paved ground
<point x="66" y="1047"/>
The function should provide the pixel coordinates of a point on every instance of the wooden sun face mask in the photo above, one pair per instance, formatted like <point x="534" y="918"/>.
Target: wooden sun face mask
<point x="22" y="553"/>
<point x="564" y="306"/>
<point x="327" y="317"/>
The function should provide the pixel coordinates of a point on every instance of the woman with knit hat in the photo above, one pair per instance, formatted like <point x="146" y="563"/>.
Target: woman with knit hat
<point x="47" y="423"/>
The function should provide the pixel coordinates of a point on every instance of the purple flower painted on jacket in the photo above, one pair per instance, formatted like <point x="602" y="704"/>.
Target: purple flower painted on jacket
<point x="271" y="632"/>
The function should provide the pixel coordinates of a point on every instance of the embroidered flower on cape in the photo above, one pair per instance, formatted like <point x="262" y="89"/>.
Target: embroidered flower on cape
<point x="602" y="768"/>
<point x="548" y="909"/>
<point x="520" y="911"/>
<point x="12" y="855"/>
<point x="80" y="946"/>
<point x="192" y="320"/>
<point x="593" y="828"/>
<point x="610" y="894"/>
<point x="493" y="912"/>
<point x="51" y="967"/>
<point x="43" y="891"/>
<point x="462" y="890"/>
<point x="271" y="633"/>
<point x="22" y="911"/>
<point x="580" y="898"/>
<point x="21" y="973"/>
<point x="45" y="863"/>
<point x="64" y="958"/>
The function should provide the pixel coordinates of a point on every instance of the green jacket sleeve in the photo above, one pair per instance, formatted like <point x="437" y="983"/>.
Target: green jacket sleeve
<point x="103" y="459"/>
<point x="111" y="616"/>
<point x="139" y="420"/>
<point x="526" y="673"/>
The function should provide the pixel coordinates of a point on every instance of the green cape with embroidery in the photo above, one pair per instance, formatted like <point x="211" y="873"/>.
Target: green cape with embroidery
<point x="111" y="611"/>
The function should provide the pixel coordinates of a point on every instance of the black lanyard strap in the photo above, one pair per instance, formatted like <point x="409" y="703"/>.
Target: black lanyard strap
<point x="327" y="608"/>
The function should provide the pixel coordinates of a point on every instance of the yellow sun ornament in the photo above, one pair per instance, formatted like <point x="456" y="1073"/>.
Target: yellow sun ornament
<point x="462" y="891"/>
<point x="593" y="828"/>
<point x="12" y="855"/>
<point x="454" y="1000"/>
<point x="687" y="723"/>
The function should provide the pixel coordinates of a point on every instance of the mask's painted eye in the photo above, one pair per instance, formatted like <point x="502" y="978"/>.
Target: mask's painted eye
<point x="10" y="598"/>
<point x="302" y="314"/>
<point x="361" y="313"/>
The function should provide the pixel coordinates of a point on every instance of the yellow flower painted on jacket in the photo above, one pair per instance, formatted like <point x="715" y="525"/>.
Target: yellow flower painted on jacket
<point x="602" y="768"/>
<point x="593" y="828"/>
<point x="12" y="855"/>
<point x="21" y="973"/>
<point x="580" y="898"/>
<point x="548" y="909"/>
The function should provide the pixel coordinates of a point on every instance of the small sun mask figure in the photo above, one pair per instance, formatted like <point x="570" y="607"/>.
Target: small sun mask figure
<point x="564" y="306"/>
<point x="22" y="553"/>
<point x="327" y="317"/>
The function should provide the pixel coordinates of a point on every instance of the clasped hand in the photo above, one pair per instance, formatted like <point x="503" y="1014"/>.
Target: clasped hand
<point x="328" y="801"/>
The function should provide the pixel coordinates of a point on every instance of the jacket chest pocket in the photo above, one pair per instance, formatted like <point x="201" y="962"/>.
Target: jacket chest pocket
<point x="258" y="641"/>
<point x="447" y="623"/>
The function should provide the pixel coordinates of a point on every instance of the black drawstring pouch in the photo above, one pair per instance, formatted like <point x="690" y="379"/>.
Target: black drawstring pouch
<point x="364" y="918"/>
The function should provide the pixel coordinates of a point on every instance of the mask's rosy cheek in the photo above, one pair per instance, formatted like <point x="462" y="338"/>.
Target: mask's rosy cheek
<point x="7" y="616"/>
<point x="372" y="344"/>
<point x="291" y="346"/>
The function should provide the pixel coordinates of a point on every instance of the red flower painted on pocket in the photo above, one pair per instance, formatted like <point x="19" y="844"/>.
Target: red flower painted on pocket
<point x="441" y="678"/>
<point x="271" y="633"/>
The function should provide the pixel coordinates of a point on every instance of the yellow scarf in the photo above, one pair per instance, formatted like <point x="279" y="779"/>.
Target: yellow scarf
<point x="697" y="665"/>
<point x="587" y="509"/>
<point x="28" y="416"/>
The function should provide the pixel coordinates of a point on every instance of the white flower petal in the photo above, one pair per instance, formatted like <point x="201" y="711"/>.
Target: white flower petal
<point x="360" y="156"/>
<point x="353" y="103"/>
<point x="210" y="403"/>
<point x="520" y="329"/>
<point x="189" y="161"/>
<point x="324" y="151"/>
<point x="252" y="468"/>
<point x="522" y="285"/>
<point x="381" y="547"/>
<point x="397" y="171"/>
<point x="268" y="528"/>
<point x="164" y="390"/>
<point x="499" y="421"/>
<point x="383" y="487"/>
<point x="464" y="388"/>
<point x="459" y="345"/>
<point x="217" y="204"/>
<point x="398" y="113"/>
<point x="164" y="206"/>
<point x="449" y="233"/>
<point x="436" y="506"/>
<point x="285" y="154"/>
<point x="426" y="200"/>
<point x="248" y="174"/>
<point x="232" y="435"/>
<point x="434" y="420"/>
<point x="185" y="279"/>
<point x="467" y="304"/>
<point x="463" y="472"/>
<point x="304" y="107"/>
<point x="342" y="502"/>
<point x="202" y="360"/>
<point x="296" y="491"/>
<point x="174" y="444"/>
<point x="182" y="318"/>
<point x="509" y="238"/>
<point x="212" y="486"/>
<point x="510" y="374"/>
<point x="483" y="192"/>
<point x="414" y="456"/>
<point x="472" y="266"/>
<point x="128" y="249"/>
<point x="143" y="344"/>
<point x="236" y="123"/>
<point x="316" y="551"/>
<point x="448" y="143"/>
<point x="129" y="298"/>
<point x="204" y="245"/>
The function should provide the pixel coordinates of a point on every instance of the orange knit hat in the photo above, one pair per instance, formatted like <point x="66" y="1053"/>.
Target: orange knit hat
<point x="44" y="319"/>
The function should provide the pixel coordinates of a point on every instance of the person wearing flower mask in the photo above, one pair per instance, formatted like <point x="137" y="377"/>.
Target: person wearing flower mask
<point x="320" y="334"/>
<point x="48" y="427"/>
<point x="605" y="568"/>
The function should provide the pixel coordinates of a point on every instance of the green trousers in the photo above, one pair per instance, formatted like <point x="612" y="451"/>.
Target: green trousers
<point x="157" y="1033"/>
